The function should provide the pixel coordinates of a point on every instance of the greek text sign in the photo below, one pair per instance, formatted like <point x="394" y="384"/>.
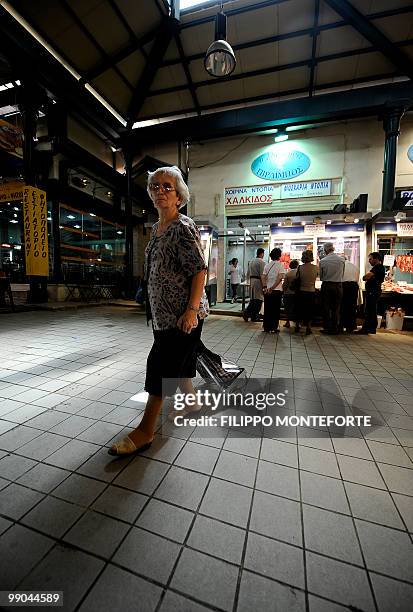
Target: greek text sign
<point x="280" y="164"/>
<point x="405" y="229"/>
<point x="309" y="189"/>
<point x="315" y="228"/>
<point x="35" y="231"/>
<point x="257" y="194"/>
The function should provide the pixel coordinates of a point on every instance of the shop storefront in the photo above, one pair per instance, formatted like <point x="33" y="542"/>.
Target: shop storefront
<point x="393" y="238"/>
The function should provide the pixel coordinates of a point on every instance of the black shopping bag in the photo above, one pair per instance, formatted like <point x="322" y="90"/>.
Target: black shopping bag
<point x="213" y="367"/>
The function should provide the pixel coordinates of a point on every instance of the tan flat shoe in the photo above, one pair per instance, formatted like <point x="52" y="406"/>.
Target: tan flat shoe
<point x="127" y="447"/>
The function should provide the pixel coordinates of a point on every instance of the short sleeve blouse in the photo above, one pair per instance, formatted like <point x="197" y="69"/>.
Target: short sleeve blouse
<point x="171" y="260"/>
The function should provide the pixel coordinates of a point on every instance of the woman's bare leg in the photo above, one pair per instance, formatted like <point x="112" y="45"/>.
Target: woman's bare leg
<point x="145" y="431"/>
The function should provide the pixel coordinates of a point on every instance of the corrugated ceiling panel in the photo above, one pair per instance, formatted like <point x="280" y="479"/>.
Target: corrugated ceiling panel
<point x="371" y="64"/>
<point x="295" y="15"/>
<point x="396" y="28"/>
<point x="82" y="53"/>
<point x="158" y="105"/>
<point x="223" y="92"/>
<point x="261" y="85"/>
<point x="340" y="39"/>
<point x="409" y="51"/>
<point x="336" y="70"/>
<point x="104" y="25"/>
<point x="254" y="24"/>
<point x="197" y="39"/>
<point x="141" y="19"/>
<point x="383" y="5"/>
<point x="132" y="67"/>
<point x="169" y="77"/>
<point x="262" y="57"/>
<point x="113" y="90"/>
<point x="48" y="15"/>
<point x="294" y="79"/>
<point x="295" y="51"/>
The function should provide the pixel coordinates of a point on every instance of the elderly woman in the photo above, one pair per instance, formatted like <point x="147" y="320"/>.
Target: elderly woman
<point x="175" y="275"/>
<point x="305" y="297"/>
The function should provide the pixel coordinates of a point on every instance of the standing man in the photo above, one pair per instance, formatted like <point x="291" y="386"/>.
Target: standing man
<point x="348" y="320"/>
<point x="373" y="280"/>
<point x="255" y="271"/>
<point x="331" y="275"/>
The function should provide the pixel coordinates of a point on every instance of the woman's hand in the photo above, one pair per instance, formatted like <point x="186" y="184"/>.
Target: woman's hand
<point x="188" y="321"/>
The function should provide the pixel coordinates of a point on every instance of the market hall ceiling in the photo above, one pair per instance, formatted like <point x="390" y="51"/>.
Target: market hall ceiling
<point x="147" y="65"/>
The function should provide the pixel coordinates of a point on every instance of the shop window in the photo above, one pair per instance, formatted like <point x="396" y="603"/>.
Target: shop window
<point x="92" y="248"/>
<point x="11" y="251"/>
<point x="400" y="274"/>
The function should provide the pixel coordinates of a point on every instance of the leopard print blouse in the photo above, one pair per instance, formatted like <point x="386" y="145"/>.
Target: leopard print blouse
<point x="171" y="260"/>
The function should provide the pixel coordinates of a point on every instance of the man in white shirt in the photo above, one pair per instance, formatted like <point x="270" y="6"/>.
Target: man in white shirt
<point x="348" y="318"/>
<point x="331" y="275"/>
<point x="272" y="278"/>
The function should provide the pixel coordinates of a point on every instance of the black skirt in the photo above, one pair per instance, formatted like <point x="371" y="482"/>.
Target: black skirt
<point x="172" y="357"/>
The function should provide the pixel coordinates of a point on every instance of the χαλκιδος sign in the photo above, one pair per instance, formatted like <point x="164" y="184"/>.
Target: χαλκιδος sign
<point x="35" y="231"/>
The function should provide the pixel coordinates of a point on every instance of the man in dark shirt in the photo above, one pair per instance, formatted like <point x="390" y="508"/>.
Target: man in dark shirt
<point x="373" y="279"/>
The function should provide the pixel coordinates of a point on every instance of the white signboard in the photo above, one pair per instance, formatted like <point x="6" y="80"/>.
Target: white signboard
<point x="255" y="194"/>
<point x="388" y="260"/>
<point x="309" y="189"/>
<point x="315" y="228"/>
<point x="405" y="229"/>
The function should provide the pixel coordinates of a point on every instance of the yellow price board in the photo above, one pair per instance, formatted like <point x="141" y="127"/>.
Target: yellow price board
<point x="35" y="231"/>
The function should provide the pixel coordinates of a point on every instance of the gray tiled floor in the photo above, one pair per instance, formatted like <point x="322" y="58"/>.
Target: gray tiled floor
<point x="296" y="521"/>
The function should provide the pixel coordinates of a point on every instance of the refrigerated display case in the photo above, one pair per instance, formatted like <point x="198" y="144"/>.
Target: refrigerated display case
<point x="391" y="238"/>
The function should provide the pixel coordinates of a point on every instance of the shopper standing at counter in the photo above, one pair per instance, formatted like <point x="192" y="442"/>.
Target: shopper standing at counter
<point x="254" y="274"/>
<point x="331" y="275"/>
<point x="305" y="296"/>
<point x="272" y="285"/>
<point x="373" y="280"/>
<point x="289" y="293"/>
<point x="348" y="319"/>
<point x="235" y="278"/>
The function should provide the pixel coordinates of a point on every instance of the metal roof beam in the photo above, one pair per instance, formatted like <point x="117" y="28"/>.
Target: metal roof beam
<point x="359" y="21"/>
<point x="296" y="34"/>
<point x="70" y="11"/>
<point x="279" y="94"/>
<point x="368" y="101"/>
<point x="263" y="71"/>
<point x="314" y="48"/>
<point x="184" y="61"/>
<point x="122" y="54"/>
<point x="165" y="34"/>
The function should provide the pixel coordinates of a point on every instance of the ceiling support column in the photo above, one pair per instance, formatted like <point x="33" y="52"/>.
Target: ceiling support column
<point x="129" y="280"/>
<point x="391" y="126"/>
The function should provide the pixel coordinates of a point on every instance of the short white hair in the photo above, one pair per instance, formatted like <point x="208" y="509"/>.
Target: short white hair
<point x="175" y="173"/>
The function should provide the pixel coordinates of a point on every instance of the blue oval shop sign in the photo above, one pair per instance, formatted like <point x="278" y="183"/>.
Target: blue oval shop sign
<point x="280" y="165"/>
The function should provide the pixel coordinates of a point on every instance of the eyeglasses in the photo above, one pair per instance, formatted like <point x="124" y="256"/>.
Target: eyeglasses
<point x="165" y="186"/>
